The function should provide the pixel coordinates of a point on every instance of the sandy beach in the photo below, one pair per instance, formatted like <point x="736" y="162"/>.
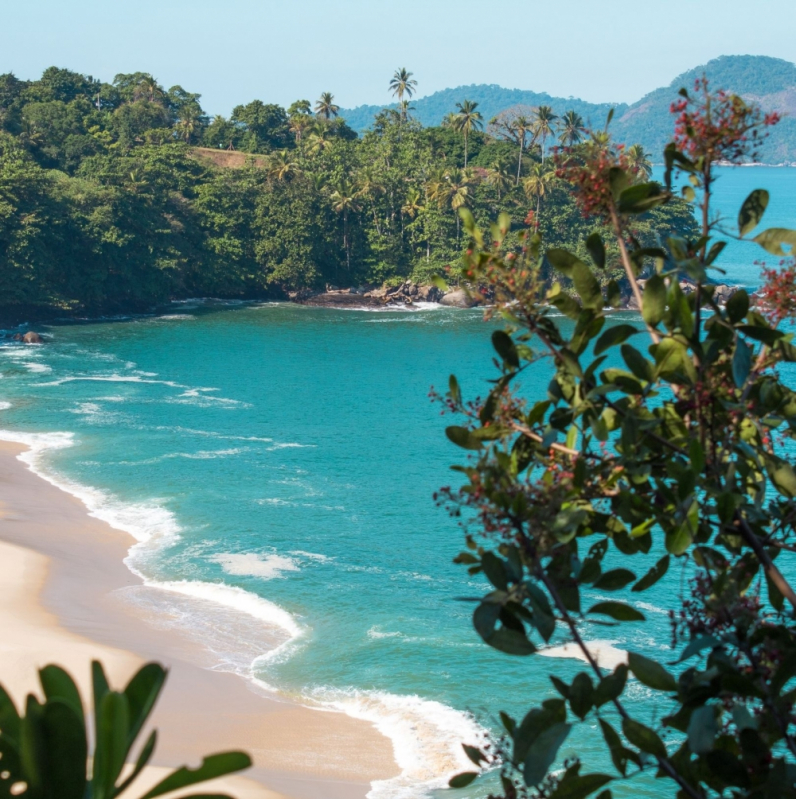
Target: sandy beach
<point x="62" y="601"/>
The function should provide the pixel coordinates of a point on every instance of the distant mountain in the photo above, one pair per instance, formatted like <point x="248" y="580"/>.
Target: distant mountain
<point x="771" y="82"/>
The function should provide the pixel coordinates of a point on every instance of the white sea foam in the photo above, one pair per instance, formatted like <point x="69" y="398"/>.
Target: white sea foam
<point x="606" y="655"/>
<point x="32" y="366"/>
<point x="375" y="633"/>
<point x="4" y="406"/>
<point x="427" y="737"/>
<point x="253" y="565"/>
<point x="311" y="555"/>
<point x="111" y="379"/>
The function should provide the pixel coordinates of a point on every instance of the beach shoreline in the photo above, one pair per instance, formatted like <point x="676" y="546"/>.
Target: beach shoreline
<point x="64" y="602"/>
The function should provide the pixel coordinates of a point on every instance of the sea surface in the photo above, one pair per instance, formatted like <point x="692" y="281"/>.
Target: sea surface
<point x="276" y="465"/>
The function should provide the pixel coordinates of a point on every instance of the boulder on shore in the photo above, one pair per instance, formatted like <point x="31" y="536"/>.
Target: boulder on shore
<point x="459" y="298"/>
<point x="32" y="338"/>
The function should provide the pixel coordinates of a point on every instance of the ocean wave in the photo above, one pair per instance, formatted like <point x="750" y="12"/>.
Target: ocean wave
<point x="426" y="736"/>
<point x="111" y="379"/>
<point x="4" y="406"/>
<point x="311" y="555"/>
<point x="201" y="455"/>
<point x="604" y="653"/>
<point x="37" y="368"/>
<point x="250" y="564"/>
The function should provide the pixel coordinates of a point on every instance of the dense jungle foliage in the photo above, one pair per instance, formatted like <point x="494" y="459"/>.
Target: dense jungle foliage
<point x="116" y="197"/>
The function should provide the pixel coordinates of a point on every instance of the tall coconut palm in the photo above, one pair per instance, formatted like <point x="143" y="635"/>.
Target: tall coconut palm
<point x="450" y="189"/>
<point x="413" y="204"/>
<point x="300" y="124"/>
<point x="325" y="107"/>
<point x="281" y="166"/>
<point x="466" y="120"/>
<point x="448" y="121"/>
<point x="572" y="128"/>
<point x="536" y="185"/>
<point x="187" y="125"/>
<point x="638" y="162"/>
<point x="520" y="127"/>
<point x="402" y="84"/>
<point x="345" y="201"/>
<point x="497" y="176"/>
<point x="405" y="108"/>
<point x="370" y="186"/>
<point x="149" y="89"/>
<point x="544" y="124"/>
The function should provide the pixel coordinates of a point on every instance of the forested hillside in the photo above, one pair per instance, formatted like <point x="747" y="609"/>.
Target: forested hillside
<point x="769" y="81"/>
<point x="118" y="196"/>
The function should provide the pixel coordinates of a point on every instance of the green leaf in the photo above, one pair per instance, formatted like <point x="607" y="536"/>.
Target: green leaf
<point x="462" y="780"/>
<point x="596" y="248"/>
<point x="641" y="197"/>
<point x="511" y="642"/>
<point x="611" y="686"/>
<point x="771" y="240"/>
<point x="614" y="744"/>
<point x="613" y="294"/>
<point x="654" y="300"/>
<point x="542" y="752"/>
<point x="581" y="695"/>
<point x="702" y="730"/>
<point x="765" y="334"/>
<point x="57" y="684"/>
<point x="99" y="683"/>
<point x="697" y="645"/>
<point x="650" y="673"/>
<point x="439" y="282"/>
<point x="9" y="716"/>
<point x="643" y="737"/>
<point x="463" y="438"/>
<point x="617" y="334"/>
<point x="64" y="739"/>
<point x="562" y="260"/>
<point x="474" y="754"/>
<point x="586" y="285"/>
<point x="112" y="744"/>
<point x="141" y="762"/>
<point x="494" y="570"/>
<point x="615" y="579"/>
<point x="574" y="786"/>
<point x="741" y="363"/>
<point x="212" y="766"/>
<point x="142" y="692"/>
<point x="752" y="210"/>
<point x="505" y="348"/>
<point x="737" y="306"/>
<point x="617" y="610"/>
<point x="653" y="575"/>
<point x="637" y="363"/>
<point x="782" y="475"/>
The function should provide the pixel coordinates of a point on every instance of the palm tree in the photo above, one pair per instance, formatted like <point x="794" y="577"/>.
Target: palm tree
<point x="544" y="124"/>
<point x="536" y="185"/>
<point x="497" y="176"/>
<point x="281" y="165"/>
<point x="448" y="121"/>
<point x="520" y="127"/>
<point x="344" y="201"/>
<point x="572" y="128"/>
<point x="467" y="119"/>
<point x="148" y="87"/>
<point x="188" y="124"/>
<point x="325" y="107"/>
<point x="405" y="109"/>
<point x="413" y="204"/>
<point x="638" y="161"/>
<point x="299" y="124"/>
<point x="451" y="188"/>
<point x="371" y="186"/>
<point x="402" y="84"/>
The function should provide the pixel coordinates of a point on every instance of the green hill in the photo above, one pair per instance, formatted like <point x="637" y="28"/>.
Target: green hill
<point x="769" y="81"/>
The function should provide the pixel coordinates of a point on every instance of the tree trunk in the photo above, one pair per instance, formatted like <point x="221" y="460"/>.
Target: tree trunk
<point x="519" y="162"/>
<point x="465" y="149"/>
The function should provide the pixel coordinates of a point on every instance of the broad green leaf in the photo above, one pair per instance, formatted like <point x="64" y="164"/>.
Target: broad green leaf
<point x="505" y="348"/>
<point x="737" y="306"/>
<point x="653" y="575"/>
<point x="462" y="780"/>
<point x="575" y="786"/>
<point x="212" y="766"/>
<point x="654" y="299"/>
<point x="581" y="695"/>
<point x="511" y="642"/>
<point x="614" y="580"/>
<point x="615" y="747"/>
<point x="782" y="475"/>
<point x="494" y="570"/>
<point x="643" y="737"/>
<point x="613" y="294"/>
<point x="542" y="752"/>
<point x="99" y="685"/>
<point x="57" y="684"/>
<point x="702" y="730"/>
<point x="765" y="334"/>
<point x="649" y="672"/>
<point x="596" y="248"/>
<point x="611" y="686"/>
<point x="474" y="754"/>
<point x="637" y="363"/>
<point x="771" y="240"/>
<point x="741" y="362"/>
<point x="463" y="438"/>
<point x="439" y="282"/>
<point x="112" y="743"/>
<point x="143" y="759"/>
<point x="752" y="210"/>
<point x="617" y="610"/>
<point x="586" y="285"/>
<point x="9" y="716"/>
<point x="562" y="260"/>
<point x="697" y="645"/>
<point x="641" y="197"/>
<point x="617" y="334"/>
<point x="64" y="737"/>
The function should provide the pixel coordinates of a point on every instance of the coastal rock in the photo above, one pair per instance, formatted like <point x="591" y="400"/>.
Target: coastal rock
<point x="459" y="298"/>
<point x="32" y="338"/>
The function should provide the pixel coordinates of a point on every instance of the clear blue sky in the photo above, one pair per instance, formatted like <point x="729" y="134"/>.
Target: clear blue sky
<point x="233" y="51"/>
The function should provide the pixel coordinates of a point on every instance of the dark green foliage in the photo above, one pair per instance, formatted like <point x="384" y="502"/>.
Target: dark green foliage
<point x="45" y="754"/>
<point x="667" y="439"/>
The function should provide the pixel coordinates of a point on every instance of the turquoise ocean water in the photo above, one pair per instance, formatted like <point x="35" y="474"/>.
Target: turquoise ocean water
<point x="276" y="464"/>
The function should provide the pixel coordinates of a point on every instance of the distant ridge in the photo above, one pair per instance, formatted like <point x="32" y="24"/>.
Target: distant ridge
<point x="771" y="82"/>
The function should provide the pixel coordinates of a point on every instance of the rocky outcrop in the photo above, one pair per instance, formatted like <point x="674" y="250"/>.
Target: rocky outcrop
<point x="721" y="293"/>
<point x="459" y="298"/>
<point x="403" y="295"/>
<point x="28" y="338"/>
